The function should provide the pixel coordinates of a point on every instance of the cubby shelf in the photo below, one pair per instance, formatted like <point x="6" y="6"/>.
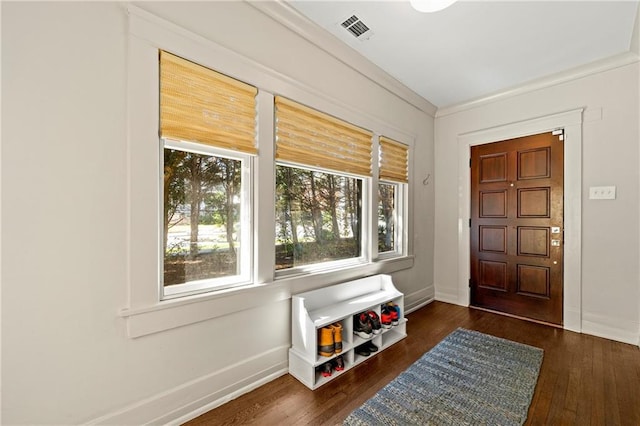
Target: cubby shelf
<point x="339" y="303"/>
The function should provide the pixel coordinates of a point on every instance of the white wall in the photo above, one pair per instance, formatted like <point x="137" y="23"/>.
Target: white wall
<point x="610" y="229"/>
<point x="66" y="357"/>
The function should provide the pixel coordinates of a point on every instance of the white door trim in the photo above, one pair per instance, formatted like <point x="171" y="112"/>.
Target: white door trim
<point x="571" y="122"/>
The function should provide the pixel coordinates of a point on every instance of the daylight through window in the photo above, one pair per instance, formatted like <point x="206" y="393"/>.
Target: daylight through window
<point x="207" y="124"/>
<point x="386" y="217"/>
<point x="318" y="217"/>
<point x="322" y="167"/>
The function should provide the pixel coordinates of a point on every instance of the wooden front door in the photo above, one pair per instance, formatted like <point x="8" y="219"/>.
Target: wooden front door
<point x="517" y="227"/>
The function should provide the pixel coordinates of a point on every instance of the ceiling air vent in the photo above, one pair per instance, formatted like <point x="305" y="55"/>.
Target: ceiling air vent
<point x="357" y="28"/>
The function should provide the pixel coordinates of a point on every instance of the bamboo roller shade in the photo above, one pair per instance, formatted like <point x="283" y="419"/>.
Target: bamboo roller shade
<point x="394" y="160"/>
<point x="312" y="138"/>
<point x="198" y="104"/>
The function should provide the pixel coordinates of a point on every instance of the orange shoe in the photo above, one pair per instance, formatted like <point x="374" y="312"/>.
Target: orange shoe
<point x="326" y="345"/>
<point x="337" y="337"/>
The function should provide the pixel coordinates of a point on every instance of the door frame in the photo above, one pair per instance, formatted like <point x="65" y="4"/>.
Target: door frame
<point x="571" y="123"/>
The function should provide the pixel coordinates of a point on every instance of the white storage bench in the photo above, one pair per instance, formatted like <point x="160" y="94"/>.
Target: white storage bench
<point x="315" y="309"/>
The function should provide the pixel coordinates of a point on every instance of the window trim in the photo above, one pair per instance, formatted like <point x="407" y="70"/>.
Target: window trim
<point x="246" y="237"/>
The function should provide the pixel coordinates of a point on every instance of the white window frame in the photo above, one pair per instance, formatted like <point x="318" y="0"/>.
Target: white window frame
<point x="365" y="239"/>
<point x="246" y="236"/>
<point x="400" y="196"/>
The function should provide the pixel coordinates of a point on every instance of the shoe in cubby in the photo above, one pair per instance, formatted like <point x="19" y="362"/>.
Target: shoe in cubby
<point x="326" y="369"/>
<point x="386" y="318"/>
<point x="376" y="326"/>
<point x="337" y="337"/>
<point x="326" y="344"/>
<point x="338" y="363"/>
<point x="395" y="313"/>
<point x="362" y="350"/>
<point x="362" y="325"/>
<point x="370" y="346"/>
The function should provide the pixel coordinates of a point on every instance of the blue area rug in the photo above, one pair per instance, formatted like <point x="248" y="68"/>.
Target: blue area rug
<point x="469" y="378"/>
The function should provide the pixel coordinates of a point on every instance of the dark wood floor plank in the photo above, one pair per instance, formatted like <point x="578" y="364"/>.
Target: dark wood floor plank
<point x="583" y="380"/>
<point x="597" y="403"/>
<point x="612" y="385"/>
<point x="572" y="393"/>
<point x="586" y="393"/>
<point x="623" y="365"/>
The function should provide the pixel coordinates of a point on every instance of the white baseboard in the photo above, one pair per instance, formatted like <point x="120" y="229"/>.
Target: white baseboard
<point x="610" y="328"/>
<point x="191" y="399"/>
<point x="448" y="298"/>
<point x="418" y="299"/>
<point x="218" y="402"/>
<point x="572" y="320"/>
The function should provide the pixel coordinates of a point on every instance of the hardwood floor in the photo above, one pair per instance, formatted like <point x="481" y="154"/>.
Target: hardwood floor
<point x="584" y="380"/>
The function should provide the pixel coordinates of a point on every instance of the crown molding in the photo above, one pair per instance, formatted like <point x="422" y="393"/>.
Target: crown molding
<point x="592" y="68"/>
<point x="286" y="15"/>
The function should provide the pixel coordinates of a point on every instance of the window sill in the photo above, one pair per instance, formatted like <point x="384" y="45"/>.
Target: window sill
<point x="174" y="313"/>
<point x="310" y="281"/>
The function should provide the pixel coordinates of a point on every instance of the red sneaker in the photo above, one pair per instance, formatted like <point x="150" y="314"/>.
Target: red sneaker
<point x="394" y="310"/>
<point x="326" y="369"/>
<point x="385" y="317"/>
<point x="338" y="363"/>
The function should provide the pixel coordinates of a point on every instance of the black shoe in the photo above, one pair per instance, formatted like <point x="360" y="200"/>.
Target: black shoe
<point x="362" y="325"/>
<point x="362" y="350"/>
<point x="375" y="322"/>
<point x="370" y="347"/>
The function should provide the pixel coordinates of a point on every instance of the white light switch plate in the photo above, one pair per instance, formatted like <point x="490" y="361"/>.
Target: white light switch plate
<point x="602" y="193"/>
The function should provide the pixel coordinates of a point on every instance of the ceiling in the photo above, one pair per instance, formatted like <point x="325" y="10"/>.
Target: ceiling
<point x="477" y="48"/>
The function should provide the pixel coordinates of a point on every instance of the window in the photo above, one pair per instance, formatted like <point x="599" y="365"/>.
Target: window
<point x="207" y="127"/>
<point x="387" y="217"/>
<point x="323" y="167"/>
<point x="318" y="217"/>
<point x="393" y="176"/>
<point x="181" y="113"/>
